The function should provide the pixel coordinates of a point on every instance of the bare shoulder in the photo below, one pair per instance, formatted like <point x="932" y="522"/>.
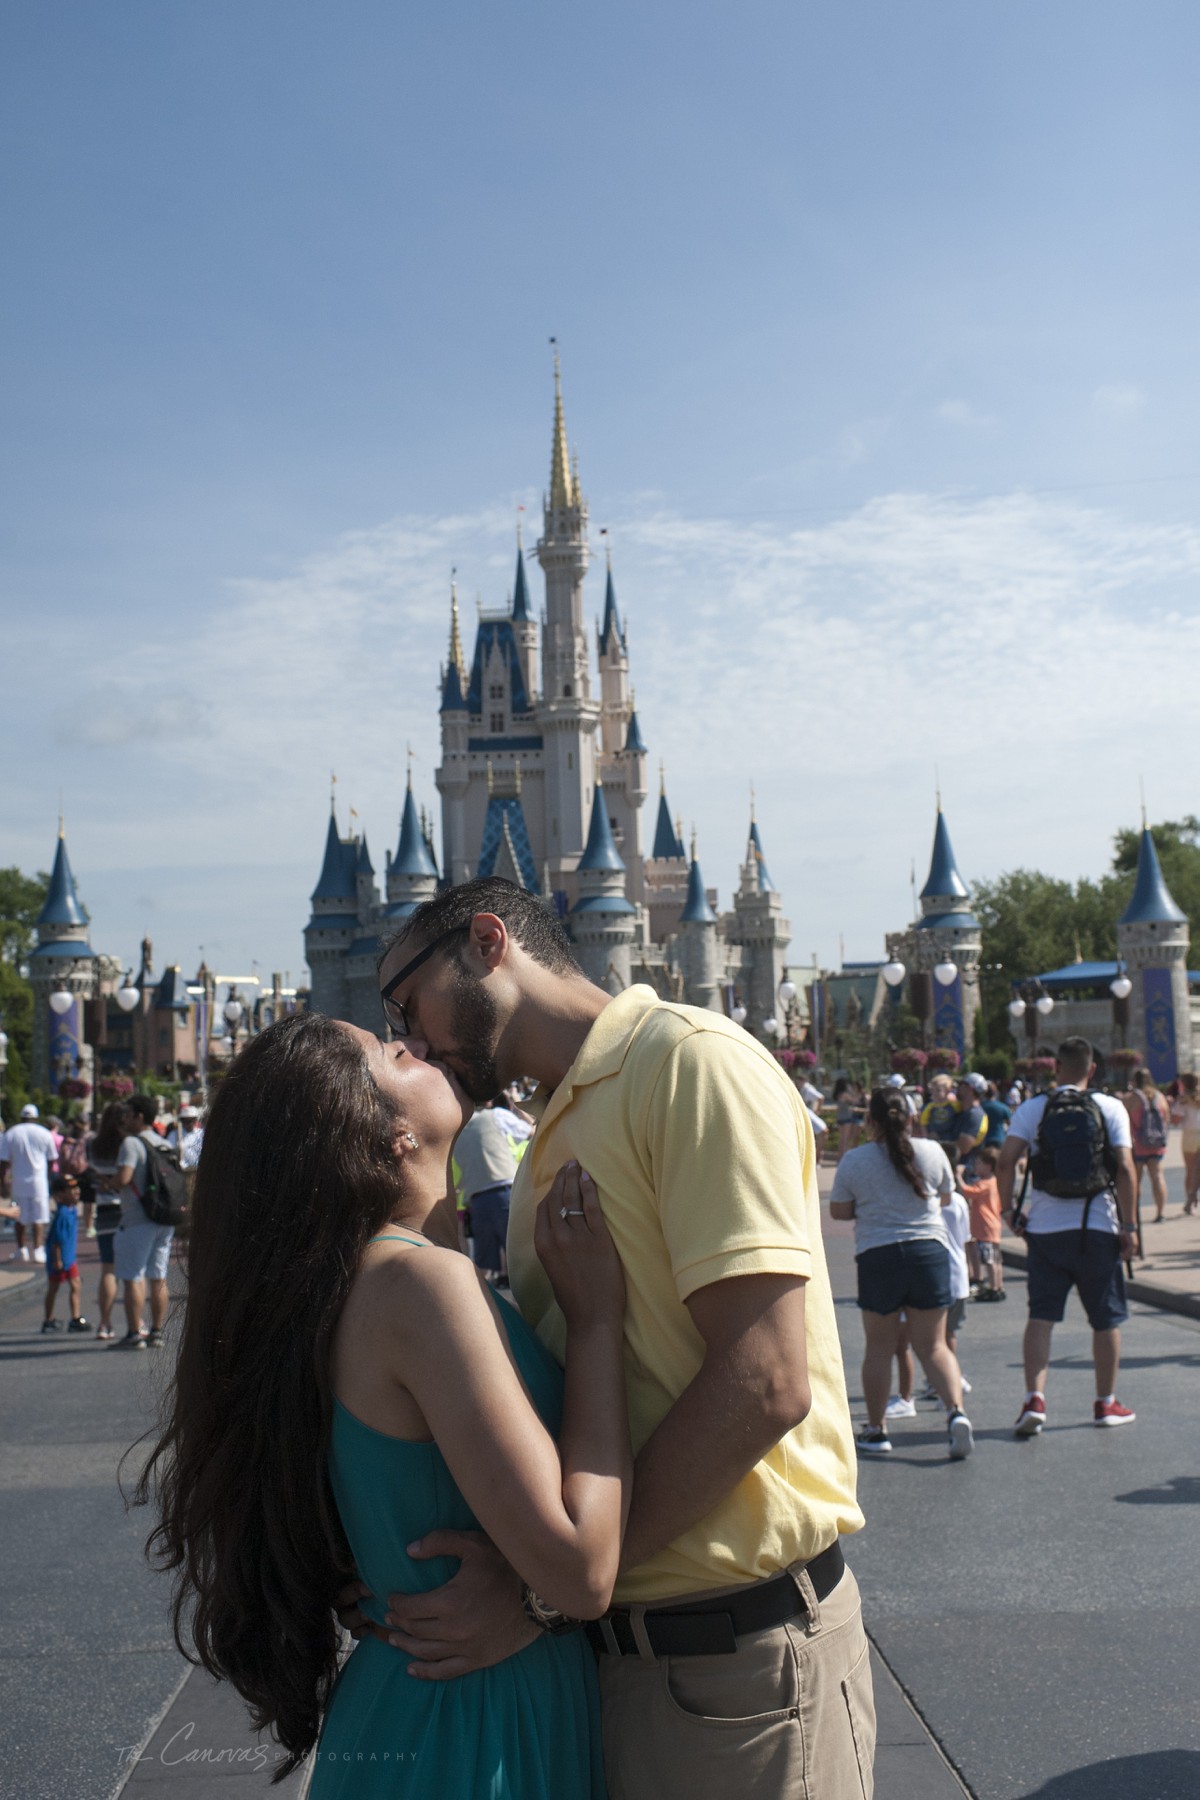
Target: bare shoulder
<point x="422" y="1289"/>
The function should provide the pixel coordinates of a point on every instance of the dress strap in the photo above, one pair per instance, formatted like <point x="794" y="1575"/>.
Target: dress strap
<point x="393" y="1238"/>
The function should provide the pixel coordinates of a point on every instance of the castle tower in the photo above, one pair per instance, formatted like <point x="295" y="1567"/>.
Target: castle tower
<point x="664" y="871"/>
<point x="602" y="920"/>
<point x="453" y="775"/>
<point x="949" y="932"/>
<point x="758" y="925"/>
<point x="568" y="714"/>
<point x="412" y="875"/>
<point x="621" y="757"/>
<point x="333" y="926"/>
<point x="1152" y="938"/>
<point x="696" y="947"/>
<point x="524" y="624"/>
<point x="63" y="962"/>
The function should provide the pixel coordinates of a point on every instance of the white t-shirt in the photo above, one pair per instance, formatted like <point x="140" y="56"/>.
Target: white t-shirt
<point x="956" y="1228"/>
<point x="812" y="1096"/>
<point x="29" y="1149"/>
<point x="1042" y="1211"/>
<point x="886" y="1208"/>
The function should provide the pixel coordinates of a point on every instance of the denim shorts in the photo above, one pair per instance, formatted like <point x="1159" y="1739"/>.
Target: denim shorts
<point x="104" y="1244"/>
<point x="1057" y="1263"/>
<point x="914" y="1272"/>
<point x="143" y="1250"/>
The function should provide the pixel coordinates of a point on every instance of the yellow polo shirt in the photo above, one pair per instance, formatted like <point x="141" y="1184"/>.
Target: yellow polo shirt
<point x="702" y="1153"/>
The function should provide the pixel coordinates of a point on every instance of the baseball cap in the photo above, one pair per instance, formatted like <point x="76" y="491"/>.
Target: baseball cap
<point x="189" y="1112"/>
<point x="895" y="1081"/>
<point x="977" y="1082"/>
<point x="29" y="1112"/>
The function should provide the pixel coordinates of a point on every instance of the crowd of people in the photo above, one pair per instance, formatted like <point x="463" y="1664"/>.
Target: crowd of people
<point x="614" y="1437"/>
<point x="51" y="1174"/>
<point x="940" y="1174"/>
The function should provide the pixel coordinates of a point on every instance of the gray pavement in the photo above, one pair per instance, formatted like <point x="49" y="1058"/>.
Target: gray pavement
<point x="1033" y="1610"/>
<point x="1039" y="1601"/>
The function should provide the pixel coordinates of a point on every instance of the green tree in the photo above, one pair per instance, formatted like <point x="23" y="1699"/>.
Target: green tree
<point x="21" y="900"/>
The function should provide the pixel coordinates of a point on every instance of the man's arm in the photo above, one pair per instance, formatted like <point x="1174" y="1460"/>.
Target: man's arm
<point x="1126" y="1185"/>
<point x="752" y="1388"/>
<point x="1011" y="1152"/>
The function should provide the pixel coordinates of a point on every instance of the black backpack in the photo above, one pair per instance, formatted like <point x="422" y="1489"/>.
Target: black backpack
<point x="1072" y="1159"/>
<point x="165" y="1199"/>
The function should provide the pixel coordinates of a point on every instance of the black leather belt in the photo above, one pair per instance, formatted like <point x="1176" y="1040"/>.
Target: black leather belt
<point x="712" y="1627"/>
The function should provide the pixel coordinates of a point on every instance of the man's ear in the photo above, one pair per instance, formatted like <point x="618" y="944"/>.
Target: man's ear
<point x="488" y="941"/>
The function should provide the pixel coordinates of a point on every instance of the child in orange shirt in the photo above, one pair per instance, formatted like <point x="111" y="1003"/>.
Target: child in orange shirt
<point x="983" y="1197"/>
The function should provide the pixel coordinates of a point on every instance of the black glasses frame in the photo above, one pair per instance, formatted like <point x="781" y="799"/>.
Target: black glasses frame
<point x="394" y="1011"/>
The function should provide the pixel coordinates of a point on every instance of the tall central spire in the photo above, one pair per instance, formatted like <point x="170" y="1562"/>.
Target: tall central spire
<point x="456" y="649"/>
<point x="562" y="482"/>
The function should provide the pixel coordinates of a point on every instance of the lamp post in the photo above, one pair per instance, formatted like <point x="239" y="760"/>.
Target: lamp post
<point x="1120" y="987"/>
<point x="1032" y="1003"/>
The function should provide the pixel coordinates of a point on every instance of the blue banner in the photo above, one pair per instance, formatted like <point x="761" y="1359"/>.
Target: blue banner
<point x="66" y="1042"/>
<point x="948" y="1016"/>
<point x="1159" y="1005"/>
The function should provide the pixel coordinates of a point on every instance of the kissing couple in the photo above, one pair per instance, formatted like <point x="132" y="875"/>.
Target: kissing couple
<point x="586" y="1547"/>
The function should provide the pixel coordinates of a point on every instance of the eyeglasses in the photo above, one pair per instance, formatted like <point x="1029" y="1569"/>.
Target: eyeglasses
<point x="394" y="1010"/>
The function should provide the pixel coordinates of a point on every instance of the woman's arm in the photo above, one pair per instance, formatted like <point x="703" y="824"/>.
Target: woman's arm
<point x="556" y="1512"/>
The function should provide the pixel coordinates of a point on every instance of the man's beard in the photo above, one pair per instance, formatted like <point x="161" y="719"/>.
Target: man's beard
<point x="473" y="1023"/>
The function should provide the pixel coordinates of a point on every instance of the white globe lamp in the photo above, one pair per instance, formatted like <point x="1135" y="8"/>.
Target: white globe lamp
<point x="771" y="1026"/>
<point x="894" y="973"/>
<point x="1121" y="988"/>
<point x="738" y="1015"/>
<point x="126" y="996"/>
<point x="945" y="972"/>
<point x="61" y="1002"/>
<point x="787" y="992"/>
<point x="232" y="1011"/>
<point x="1016" y="1008"/>
<point x="1045" y="1005"/>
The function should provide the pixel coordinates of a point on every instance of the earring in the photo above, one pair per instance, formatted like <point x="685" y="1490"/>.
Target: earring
<point x="411" y="1141"/>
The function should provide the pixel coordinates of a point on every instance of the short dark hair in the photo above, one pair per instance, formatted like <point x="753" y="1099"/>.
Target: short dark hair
<point x="988" y="1155"/>
<point x="145" y="1107"/>
<point x="1075" y="1056"/>
<point x="528" y="919"/>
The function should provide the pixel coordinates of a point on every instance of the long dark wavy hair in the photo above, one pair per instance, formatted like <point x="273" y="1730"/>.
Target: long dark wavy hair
<point x="298" y="1170"/>
<point x="111" y="1131"/>
<point x="890" y="1115"/>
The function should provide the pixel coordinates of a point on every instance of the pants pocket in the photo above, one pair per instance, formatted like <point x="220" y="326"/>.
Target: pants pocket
<point x="859" y="1697"/>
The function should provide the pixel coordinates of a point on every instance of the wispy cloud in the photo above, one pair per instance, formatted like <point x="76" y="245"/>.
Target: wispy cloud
<point x="1117" y="399"/>
<point x="1032" y="646"/>
<point x="961" y="412"/>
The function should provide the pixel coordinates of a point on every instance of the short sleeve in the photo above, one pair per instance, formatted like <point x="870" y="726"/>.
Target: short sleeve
<point x="945" y="1174"/>
<point x="1120" y="1134"/>
<point x="732" y="1159"/>
<point x="1024" y="1122"/>
<point x="129" y="1155"/>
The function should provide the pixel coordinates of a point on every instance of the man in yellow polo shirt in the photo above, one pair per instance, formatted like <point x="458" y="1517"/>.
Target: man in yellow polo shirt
<point x="734" y="1654"/>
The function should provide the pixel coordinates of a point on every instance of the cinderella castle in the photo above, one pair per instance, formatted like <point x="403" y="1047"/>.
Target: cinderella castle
<point x="543" y="779"/>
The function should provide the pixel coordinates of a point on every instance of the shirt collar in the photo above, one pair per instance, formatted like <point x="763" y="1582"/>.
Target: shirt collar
<point x="602" y="1052"/>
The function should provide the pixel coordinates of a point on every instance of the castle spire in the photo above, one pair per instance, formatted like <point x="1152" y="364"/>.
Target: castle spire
<point x="944" y="881"/>
<point x="62" y="905"/>
<point x="562" y="485"/>
<point x="611" y="631"/>
<point x="601" y="851"/>
<point x="696" y="909"/>
<point x="520" y="607"/>
<point x="1152" y="901"/>
<point x="456" y="649"/>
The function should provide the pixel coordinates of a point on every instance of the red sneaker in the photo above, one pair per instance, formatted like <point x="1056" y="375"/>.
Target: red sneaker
<point x="1031" y="1418"/>
<point x="1111" y="1412"/>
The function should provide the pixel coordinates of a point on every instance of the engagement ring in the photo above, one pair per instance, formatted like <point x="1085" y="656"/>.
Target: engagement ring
<point x="570" y="1212"/>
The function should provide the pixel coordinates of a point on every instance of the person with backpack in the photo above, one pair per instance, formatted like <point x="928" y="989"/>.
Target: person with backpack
<point x="152" y="1191"/>
<point x="1150" y="1117"/>
<point x="1079" y="1220"/>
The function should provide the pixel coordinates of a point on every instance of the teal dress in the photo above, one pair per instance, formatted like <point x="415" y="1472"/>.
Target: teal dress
<point x="527" y="1728"/>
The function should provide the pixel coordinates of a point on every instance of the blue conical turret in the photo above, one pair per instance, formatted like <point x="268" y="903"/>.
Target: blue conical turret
<point x="633" y="737"/>
<point x="362" y="861"/>
<point x="62" y="905"/>
<point x="1152" y="902"/>
<point x="520" y="607"/>
<point x="453" y="698"/>
<point x="600" y="851"/>
<point x="762" y="873"/>
<point x="412" y="852"/>
<point x="667" y="843"/>
<point x="611" y="632"/>
<point x="944" y="882"/>
<point x="339" y="870"/>
<point x="696" y="910"/>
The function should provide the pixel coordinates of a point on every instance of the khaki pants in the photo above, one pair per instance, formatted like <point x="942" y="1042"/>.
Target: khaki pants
<point x="789" y="1715"/>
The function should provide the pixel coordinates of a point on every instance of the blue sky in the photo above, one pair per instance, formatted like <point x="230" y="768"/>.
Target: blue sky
<point x="879" y="327"/>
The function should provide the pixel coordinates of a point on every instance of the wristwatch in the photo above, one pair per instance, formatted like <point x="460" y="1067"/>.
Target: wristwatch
<point x="549" y="1619"/>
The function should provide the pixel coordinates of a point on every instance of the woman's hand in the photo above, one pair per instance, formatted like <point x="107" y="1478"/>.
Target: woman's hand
<point x="576" y="1250"/>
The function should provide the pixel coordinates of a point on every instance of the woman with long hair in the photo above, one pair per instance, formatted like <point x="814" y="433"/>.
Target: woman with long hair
<point x="103" y="1156"/>
<point x="1150" y="1118"/>
<point x="347" y="1384"/>
<point x="894" y="1189"/>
